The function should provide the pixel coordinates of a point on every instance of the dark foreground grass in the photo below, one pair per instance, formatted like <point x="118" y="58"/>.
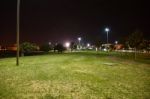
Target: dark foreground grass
<point x="84" y="75"/>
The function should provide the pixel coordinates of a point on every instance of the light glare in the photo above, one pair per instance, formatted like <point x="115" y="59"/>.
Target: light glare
<point x="88" y="45"/>
<point x="116" y="42"/>
<point x="107" y="29"/>
<point x="67" y="44"/>
<point x="79" y="38"/>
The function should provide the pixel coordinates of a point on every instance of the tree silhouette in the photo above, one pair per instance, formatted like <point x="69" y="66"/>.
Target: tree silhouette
<point x="59" y="48"/>
<point x="73" y="46"/>
<point x="145" y="45"/>
<point x="27" y="47"/>
<point x="135" y="39"/>
<point x="46" y="47"/>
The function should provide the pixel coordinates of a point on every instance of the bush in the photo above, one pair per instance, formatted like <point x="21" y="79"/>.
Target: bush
<point x="46" y="47"/>
<point x="59" y="48"/>
<point x="27" y="47"/>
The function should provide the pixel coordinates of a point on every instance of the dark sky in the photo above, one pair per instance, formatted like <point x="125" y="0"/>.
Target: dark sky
<point x="42" y="21"/>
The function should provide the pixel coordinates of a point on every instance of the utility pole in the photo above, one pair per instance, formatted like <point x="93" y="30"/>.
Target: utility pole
<point x="17" y="36"/>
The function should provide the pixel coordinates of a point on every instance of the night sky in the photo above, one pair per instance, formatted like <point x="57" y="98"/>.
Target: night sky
<point x="43" y="21"/>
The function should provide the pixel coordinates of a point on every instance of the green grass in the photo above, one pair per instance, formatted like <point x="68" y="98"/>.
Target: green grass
<point x="82" y="75"/>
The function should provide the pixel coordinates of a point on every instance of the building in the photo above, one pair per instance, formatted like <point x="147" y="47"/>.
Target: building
<point x="118" y="47"/>
<point x="106" y="47"/>
<point x="12" y="47"/>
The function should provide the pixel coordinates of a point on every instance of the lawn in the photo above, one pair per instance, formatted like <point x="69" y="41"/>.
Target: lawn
<point x="80" y="75"/>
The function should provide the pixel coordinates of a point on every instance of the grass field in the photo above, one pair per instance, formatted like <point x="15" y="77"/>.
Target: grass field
<point x="82" y="75"/>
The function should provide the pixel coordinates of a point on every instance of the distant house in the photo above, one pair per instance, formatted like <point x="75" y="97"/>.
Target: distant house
<point x="106" y="47"/>
<point x="118" y="47"/>
<point x="2" y="48"/>
<point x="12" y="47"/>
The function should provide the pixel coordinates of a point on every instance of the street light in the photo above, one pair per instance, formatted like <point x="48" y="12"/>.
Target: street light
<point x="49" y="43"/>
<point x="107" y="30"/>
<point x="88" y="44"/>
<point x="79" y="39"/>
<point x="67" y="44"/>
<point x="116" y="42"/>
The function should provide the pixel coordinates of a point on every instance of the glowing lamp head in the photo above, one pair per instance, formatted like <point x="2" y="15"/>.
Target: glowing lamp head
<point x="79" y="38"/>
<point x="88" y="45"/>
<point x="67" y="44"/>
<point x="107" y="29"/>
<point x="116" y="42"/>
<point x="49" y="43"/>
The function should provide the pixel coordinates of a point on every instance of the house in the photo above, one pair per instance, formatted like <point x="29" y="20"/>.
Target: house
<point x="106" y="47"/>
<point x="118" y="47"/>
<point x="2" y="48"/>
<point x="12" y="47"/>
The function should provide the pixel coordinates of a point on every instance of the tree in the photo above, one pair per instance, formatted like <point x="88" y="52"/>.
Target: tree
<point x="27" y="47"/>
<point x="98" y="44"/>
<point x="46" y="47"/>
<point x="134" y="40"/>
<point x="144" y="45"/>
<point x="59" y="48"/>
<point x="73" y="46"/>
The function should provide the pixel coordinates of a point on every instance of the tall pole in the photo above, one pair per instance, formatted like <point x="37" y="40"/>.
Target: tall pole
<point x="79" y="44"/>
<point x="107" y="37"/>
<point x="79" y="39"/>
<point x="107" y="30"/>
<point x="17" y="40"/>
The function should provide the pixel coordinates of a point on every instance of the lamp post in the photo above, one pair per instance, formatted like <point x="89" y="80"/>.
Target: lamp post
<point x="88" y="44"/>
<point x="79" y="39"/>
<point x="107" y="30"/>
<point x="49" y="43"/>
<point x="67" y="44"/>
<point x="116" y="42"/>
<point x="17" y="40"/>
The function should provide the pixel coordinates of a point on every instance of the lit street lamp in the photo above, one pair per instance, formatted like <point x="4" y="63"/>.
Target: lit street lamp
<point x="88" y="44"/>
<point x="49" y="43"/>
<point x="107" y="30"/>
<point x="116" y="42"/>
<point x="67" y="44"/>
<point x="79" y="39"/>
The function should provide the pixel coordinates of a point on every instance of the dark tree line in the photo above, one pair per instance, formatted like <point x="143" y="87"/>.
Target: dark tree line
<point x="59" y="48"/>
<point x="28" y="47"/>
<point x="137" y="42"/>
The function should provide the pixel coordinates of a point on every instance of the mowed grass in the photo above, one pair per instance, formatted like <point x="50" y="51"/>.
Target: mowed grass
<point x="82" y="75"/>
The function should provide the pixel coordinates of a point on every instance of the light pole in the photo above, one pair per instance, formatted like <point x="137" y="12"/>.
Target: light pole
<point x="116" y="42"/>
<point x="17" y="40"/>
<point x="79" y="39"/>
<point x="88" y="44"/>
<point x="67" y="44"/>
<point x="49" y="43"/>
<point x="107" y="30"/>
